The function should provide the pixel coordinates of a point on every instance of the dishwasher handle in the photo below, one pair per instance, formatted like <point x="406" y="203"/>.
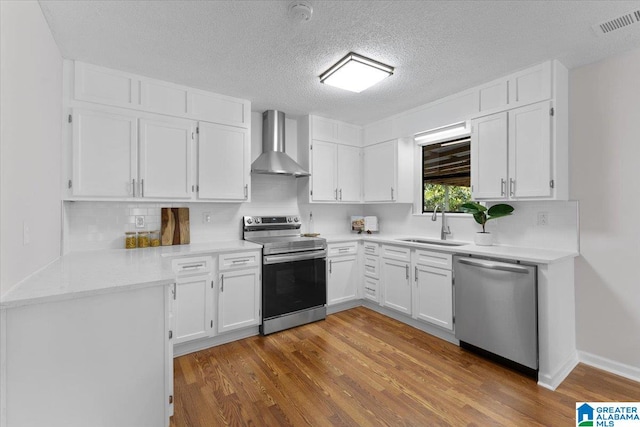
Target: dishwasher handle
<point x="494" y="265"/>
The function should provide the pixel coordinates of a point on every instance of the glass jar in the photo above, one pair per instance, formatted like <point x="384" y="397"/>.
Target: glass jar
<point x="130" y="240"/>
<point x="143" y="239"/>
<point x="154" y="238"/>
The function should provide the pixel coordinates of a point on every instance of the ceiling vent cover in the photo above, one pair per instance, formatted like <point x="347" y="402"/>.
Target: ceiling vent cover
<point x="617" y="23"/>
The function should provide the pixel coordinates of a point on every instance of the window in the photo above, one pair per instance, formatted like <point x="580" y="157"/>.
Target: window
<point x="446" y="174"/>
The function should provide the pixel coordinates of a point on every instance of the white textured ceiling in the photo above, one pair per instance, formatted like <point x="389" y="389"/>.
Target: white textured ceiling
<point x="253" y="50"/>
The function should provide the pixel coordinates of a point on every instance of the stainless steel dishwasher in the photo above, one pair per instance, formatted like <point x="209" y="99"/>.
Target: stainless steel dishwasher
<point x="496" y="309"/>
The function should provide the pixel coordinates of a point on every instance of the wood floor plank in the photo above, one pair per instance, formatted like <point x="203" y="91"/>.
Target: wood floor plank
<point x="361" y="368"/>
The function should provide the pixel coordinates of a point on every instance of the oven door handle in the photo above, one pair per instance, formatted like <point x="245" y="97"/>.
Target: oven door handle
<point x="277" y="259"/>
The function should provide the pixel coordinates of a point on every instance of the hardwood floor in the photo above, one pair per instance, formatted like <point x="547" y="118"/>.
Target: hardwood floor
<point x="360" y="368"/>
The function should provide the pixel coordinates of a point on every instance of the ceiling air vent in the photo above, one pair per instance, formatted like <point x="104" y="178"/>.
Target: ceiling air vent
<point x="617" y="23"/>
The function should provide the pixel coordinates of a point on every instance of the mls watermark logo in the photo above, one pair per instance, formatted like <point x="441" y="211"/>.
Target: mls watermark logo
<point x="608" y="414"/>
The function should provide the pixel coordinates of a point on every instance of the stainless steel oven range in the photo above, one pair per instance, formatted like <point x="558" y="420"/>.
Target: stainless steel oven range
<point x="294" y="272"/>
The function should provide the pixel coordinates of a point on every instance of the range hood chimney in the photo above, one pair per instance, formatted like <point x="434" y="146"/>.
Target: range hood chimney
<point x="273" y="160"/>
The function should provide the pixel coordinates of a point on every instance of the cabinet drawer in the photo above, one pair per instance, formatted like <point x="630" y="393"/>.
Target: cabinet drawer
<point x="347" y="248"/>
<point x="371" y="287"/>
<point x="239" y="260"/>
<point x="372" y="266"/>
<point x="371" y="248"/>
<point x="192" y="265"/>
<point x="434" y="259"/>
<point x="396" y="252"/>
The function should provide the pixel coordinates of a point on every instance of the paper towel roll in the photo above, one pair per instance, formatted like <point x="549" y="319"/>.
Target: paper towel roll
<point x="371" y="223"/>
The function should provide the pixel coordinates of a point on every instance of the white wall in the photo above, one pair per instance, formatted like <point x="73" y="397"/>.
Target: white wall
<point x="605" y="153"/>
<point x="31" y="117"/>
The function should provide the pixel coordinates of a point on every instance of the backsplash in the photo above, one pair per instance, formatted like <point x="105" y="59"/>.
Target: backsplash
<point x="101" y="225"/>
<point x="519" y="229"/>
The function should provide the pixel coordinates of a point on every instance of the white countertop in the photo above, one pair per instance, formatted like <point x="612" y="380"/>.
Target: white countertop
<point x="102" y="271"/>
<point x="532" y="255"/>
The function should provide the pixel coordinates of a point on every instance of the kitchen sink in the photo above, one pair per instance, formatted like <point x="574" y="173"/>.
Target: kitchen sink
<point x="434" y="242"/>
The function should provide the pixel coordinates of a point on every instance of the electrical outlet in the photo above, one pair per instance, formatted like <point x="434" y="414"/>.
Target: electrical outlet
<point x="140" y="221"/>
<point x="206" y="217"/>
<point x="543" y="218"/>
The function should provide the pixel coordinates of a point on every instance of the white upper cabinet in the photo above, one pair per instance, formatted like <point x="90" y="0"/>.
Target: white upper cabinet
<point x="530" y="85"/>
<point x="334" y="157"/>
<point x="336" y="172"/>
<point x="524" y="87"/>
<point x="324" y="172"/>
<point x="116" y="88"/>
<point x="220" y="109"/>
<point x="223" y="170"/>
<point x="334" y="131"/>
<point x="493" y="96"/>
<point x="349" y="174"/>
<point x="165" y="158"/>
<point x="381" y="172"/>
<point x="132" y="137"/>
<point x="511" y="154"/>
<point x="105" y="86"/>
<point x="388" y="171"/>
<point x="162" y="97"/>
<point x="530" y="151"/>
<point x="105" y="148"/>
<point x="489" y="157"/>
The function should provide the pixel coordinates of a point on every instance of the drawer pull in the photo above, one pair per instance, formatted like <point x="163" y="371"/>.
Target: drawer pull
<point x="192" y="266"/>
<point x="239" y="261"/>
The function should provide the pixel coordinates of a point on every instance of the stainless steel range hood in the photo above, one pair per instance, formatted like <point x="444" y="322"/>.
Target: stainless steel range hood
<point x="273" y="160"/>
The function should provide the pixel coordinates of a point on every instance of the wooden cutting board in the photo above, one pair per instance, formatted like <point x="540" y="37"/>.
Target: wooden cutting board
<point x="174" y="228"/>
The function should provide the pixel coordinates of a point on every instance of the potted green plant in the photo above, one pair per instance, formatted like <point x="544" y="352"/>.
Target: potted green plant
<point x="481" y="214"/>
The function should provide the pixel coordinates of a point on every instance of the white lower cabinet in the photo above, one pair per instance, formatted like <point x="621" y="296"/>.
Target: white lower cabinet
<point x="239" y="292"/>
<point x="193" y="299"/>
<point x="433" y="300"/>
<point x="193" y="308"/>
<point x="343" y="273"/>
<point x="396" y="279"/>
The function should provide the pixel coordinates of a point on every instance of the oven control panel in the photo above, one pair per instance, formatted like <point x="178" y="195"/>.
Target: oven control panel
<point x="273" y="221"/>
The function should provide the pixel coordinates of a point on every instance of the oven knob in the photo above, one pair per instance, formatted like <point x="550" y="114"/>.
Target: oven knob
<point x="288" y="219"/>
<point x="258" y="220"/>
<point x="295" y="219"/>
<point x="249" y="220"/>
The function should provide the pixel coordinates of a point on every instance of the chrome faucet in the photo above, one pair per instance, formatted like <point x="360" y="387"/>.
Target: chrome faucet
<point x="445" y="228"/>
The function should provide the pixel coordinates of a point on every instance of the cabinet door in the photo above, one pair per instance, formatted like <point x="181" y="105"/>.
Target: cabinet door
<point x="397" y="285"/>
<point x="530" y="151"/>
<point x="342" y="281"/>
<point x="323" y="177"/>
<point x="434" y="296"/>
<point x="222" y="162"/>
<point x="239" y="299"/>
<point x="380" y="172"/>
<point x="165" y="158"/>
<point x="349" y="173"/>
<point x="104" y="154"/>
<point x="530" y="85"/>
<point x="489" y="157"/>
<point x="193" y="309"/>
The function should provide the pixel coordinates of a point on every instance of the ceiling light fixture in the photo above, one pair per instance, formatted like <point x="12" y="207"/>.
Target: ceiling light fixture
<point x="355" y="73"/>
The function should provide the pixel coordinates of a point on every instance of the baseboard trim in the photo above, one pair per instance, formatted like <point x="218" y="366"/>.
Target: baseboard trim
<point x="630" y="372"/>
<point x="342" y="306"/>
<point x="554" y="380"/>
<point x="205" y="343"/>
